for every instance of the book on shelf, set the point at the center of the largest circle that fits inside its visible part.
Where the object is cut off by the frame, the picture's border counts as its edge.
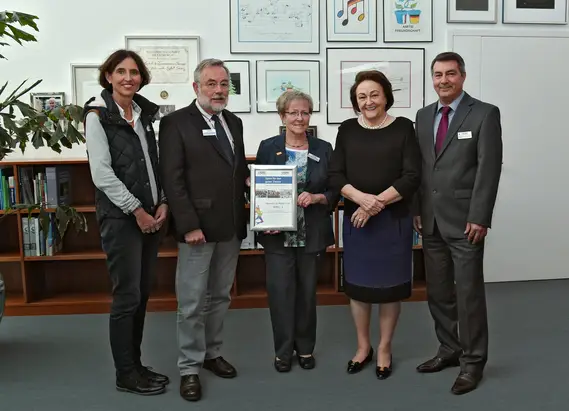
(7, 188)
(36, 243)
(51, 186)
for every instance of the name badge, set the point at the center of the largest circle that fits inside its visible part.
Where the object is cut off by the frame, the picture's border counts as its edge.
(209, 132)
(464, 134)
(313, 157)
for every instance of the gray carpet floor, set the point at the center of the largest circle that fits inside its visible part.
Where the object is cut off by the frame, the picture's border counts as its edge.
(63, 363)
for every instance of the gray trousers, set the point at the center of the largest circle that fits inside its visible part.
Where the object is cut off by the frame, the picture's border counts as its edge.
(291, 290)
(204, 276)
(457, 298)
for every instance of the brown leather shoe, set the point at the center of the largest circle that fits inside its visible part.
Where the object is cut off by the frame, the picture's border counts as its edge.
(190, 387)
(220, 367)
(437, 364)
(465, 382)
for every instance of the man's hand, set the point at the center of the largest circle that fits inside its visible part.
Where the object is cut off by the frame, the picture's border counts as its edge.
(271, 232)
(160, 215)
(194, 237)
(360, 218)
(370, 203)
(475, 232)
(145, 221)
(418, 224)
(305, 199)
(248, 182)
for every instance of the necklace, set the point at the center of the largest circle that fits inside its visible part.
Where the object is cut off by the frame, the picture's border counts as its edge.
(366, 125)
(296, 145)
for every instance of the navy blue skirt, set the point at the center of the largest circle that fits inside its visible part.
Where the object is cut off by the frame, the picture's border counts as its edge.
(378, 258)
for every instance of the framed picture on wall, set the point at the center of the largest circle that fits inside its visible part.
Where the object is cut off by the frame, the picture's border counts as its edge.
(240, 86)
(274, 77)
(472, 11)
(351, 20)
(407, 21)
(47, 101)
(311, 131)
(404, 67)
(269, 26)
(84, 85)
(534, 11)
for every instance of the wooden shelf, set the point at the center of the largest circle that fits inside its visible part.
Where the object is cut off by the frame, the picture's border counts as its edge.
(10, 257)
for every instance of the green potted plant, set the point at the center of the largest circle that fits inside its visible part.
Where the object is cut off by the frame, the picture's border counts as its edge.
(21, 124)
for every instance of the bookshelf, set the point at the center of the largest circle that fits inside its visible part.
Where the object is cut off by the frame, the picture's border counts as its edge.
(75, 279)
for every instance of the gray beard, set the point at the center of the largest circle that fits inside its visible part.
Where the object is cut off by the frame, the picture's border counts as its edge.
(204, 102)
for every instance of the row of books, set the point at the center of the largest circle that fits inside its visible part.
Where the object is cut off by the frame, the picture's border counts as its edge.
(50, 187)
(36, 242)
(7, 188)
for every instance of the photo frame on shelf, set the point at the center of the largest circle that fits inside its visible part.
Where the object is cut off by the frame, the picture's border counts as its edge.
(472, 11)
(47, 101)
(274, 77)
(269, 27)
(404, 67)
(311, 131)
(534, 11)
(407, 21)
(240, 88)
(351, 20)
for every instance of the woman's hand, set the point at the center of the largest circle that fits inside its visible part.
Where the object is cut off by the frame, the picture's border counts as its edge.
(370, 203)
(271, 232)
(145, 221)
(360, 218)
(305, 199)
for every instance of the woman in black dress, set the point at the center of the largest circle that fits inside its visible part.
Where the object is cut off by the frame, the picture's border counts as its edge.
(376, 164)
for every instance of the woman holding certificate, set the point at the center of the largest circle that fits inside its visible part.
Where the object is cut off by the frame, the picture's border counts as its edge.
(376, 165)
(292, 257)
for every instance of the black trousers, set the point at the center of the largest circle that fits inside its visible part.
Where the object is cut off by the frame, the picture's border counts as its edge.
(456, 297)
(131, 261)
(291, 290)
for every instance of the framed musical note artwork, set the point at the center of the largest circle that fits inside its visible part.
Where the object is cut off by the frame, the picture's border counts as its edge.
(269, 26)
(407, 21)
(351, 20)
(404, 67)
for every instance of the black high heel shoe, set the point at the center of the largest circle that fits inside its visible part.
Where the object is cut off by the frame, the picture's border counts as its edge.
(356, 366)
(384, 373)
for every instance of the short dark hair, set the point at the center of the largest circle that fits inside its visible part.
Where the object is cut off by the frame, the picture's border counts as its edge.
(114, 60)
(375, 76)
(450, 56)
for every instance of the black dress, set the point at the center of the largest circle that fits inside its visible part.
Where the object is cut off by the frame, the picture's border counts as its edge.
(378, 257)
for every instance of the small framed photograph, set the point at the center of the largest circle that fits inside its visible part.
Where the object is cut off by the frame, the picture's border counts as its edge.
(351, 20)
(240, 91)
(311, 131)
(46, 102)
(407, 21)
(273, 197)
(472, 11)
(534, 11)
(274, 77)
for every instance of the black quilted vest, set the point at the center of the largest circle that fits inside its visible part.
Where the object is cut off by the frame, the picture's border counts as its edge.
(127, 156)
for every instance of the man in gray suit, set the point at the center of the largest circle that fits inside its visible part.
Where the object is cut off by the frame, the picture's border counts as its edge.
(461, 145)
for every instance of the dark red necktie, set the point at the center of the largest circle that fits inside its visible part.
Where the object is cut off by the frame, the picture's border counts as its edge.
(442, 130)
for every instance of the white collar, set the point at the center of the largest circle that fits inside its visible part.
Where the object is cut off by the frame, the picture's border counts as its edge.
(136, 111)
(205, 113)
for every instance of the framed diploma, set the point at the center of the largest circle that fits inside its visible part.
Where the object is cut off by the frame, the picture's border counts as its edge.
(273, 197)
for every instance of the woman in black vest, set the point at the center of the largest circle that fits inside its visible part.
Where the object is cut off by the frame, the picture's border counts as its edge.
(130, 206)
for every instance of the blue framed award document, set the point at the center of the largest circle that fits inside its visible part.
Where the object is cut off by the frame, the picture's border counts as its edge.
(273, 198)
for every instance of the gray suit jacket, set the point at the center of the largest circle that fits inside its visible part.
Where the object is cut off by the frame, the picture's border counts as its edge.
(460, 184)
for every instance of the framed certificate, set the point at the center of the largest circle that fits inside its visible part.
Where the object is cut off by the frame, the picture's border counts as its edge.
(273, 197)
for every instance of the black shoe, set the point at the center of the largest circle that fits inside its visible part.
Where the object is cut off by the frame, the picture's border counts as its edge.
(465, 382)
(190, 387)
(282, 365)
(356, 366)
(384, 373)
(307, 363)
(220, 367)
(147, 373)
(437, 364)
(136, 384)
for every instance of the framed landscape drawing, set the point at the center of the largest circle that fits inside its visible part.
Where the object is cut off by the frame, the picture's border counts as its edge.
(269, 26)
(472, 11)
(404, 67)
(407, 21)
(240, 86)
(274, 77)
(351, 20)
(534, 11)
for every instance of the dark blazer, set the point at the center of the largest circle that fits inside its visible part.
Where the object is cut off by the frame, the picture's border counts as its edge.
(319, 229)
(204, 191)
(460, 184)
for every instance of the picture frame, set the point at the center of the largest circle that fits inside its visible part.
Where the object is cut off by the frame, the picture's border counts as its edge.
(273, 196)
(84, 82)
(404, 67)
(407, 21)
(534, 11)
(472, 11)
(351, 20)
(240, 91)
(311, 131)
(269, 27)
(47, 101)
(274, 77)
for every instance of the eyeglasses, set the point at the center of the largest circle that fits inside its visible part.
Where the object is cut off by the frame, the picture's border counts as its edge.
(294, 114)
(213, 85)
